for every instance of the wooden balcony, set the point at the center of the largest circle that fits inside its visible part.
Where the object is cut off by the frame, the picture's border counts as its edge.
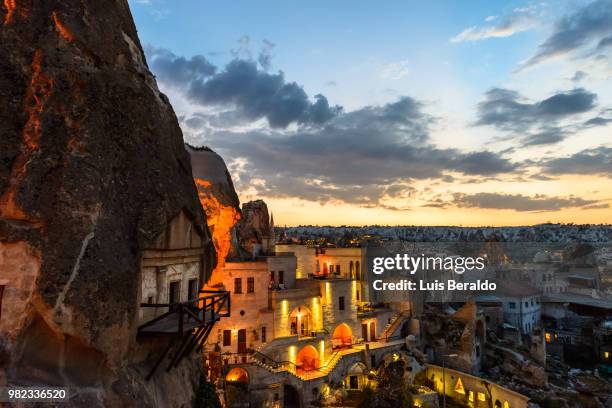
(188, 324)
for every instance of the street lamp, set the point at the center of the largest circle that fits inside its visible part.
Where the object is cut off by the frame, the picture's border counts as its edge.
(444, 376)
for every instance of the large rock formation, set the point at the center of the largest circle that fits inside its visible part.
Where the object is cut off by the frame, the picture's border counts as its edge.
(255, 230)
(92, 170)
(220, 202)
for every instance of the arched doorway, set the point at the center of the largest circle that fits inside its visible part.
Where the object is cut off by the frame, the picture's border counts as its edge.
(237, 374)
(308, 359)
(291, 397)
(301, 321)
(237, 388)
(342, 336)
(356, 377)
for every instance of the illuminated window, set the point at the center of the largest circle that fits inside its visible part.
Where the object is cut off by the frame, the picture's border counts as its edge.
(548, 337)
(606, 355)
(471, 396)
(506, 405)
(459, 387)
(481, 397)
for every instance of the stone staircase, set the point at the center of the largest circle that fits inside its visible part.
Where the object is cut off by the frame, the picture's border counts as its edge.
(331, 364)
(290, 369)
(393, 325)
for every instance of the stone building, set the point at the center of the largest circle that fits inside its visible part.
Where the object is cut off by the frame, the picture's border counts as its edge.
(172, 267)
(291, 336)
(306, 258)
(521, 305)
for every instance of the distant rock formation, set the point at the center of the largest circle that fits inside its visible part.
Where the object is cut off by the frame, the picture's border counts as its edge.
(92, 170)
(219, 200)
(255, 230)
(236, 233)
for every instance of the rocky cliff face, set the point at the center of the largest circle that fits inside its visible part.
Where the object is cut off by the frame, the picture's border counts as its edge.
(220, 202)
(92, 169)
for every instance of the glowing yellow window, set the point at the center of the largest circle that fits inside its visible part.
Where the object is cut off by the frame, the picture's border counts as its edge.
(471, 396)
(459, 387)
(548, 337)
(506, 405)
(606, 355)
(481, 396)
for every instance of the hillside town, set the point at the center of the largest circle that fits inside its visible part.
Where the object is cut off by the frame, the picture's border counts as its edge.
(132, 276)
(307, 328)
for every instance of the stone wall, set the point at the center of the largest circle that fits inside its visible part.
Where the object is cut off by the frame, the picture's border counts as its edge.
(491, 392)
(306, 258)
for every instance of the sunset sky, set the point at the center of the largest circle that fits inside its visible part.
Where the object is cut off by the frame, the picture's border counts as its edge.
(415, 113)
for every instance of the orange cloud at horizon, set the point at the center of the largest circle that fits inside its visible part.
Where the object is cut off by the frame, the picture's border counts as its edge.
(415, 210)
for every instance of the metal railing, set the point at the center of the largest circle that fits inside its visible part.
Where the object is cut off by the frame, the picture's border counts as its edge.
(188, 322)
(291, 366)
(202, 310)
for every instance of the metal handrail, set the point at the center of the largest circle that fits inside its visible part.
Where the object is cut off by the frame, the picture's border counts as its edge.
(191, 308)
(276, 364)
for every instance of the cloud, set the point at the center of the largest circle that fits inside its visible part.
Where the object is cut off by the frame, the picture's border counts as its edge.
(588, 162)
(519, 202)
(175, 70)
(521, 20)
(544, 137)
(265, 55)
(509, 111)
(579, 76)
(588, 25)
(241, 86)
(395, 70)
(352, 158)
(604, 44)
(258, 94)
(597, 121)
